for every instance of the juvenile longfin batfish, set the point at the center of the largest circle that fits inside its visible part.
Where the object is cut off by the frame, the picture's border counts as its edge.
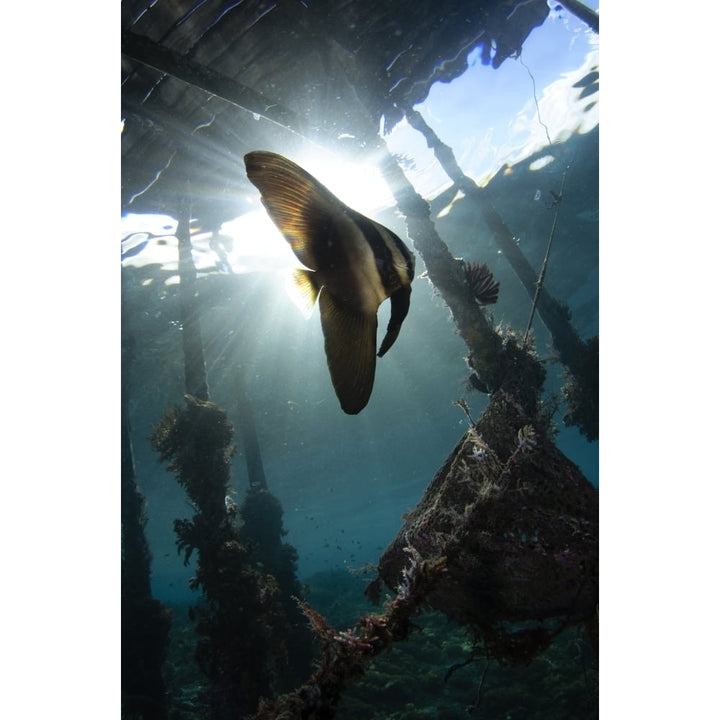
(353, 264)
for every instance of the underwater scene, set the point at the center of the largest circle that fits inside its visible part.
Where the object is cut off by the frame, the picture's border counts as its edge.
(359, 336)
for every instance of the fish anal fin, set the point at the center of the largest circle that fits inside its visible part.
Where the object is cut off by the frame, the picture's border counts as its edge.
(350, 342)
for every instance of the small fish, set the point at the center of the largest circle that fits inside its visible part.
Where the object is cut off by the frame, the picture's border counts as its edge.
(352, 262)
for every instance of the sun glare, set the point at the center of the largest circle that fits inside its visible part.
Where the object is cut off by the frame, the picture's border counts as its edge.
(361, 186)
(257, 244)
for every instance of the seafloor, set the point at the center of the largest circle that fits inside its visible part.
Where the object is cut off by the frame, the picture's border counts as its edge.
(424, 677)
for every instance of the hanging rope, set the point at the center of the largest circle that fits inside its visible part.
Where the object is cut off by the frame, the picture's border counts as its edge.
(541, 277)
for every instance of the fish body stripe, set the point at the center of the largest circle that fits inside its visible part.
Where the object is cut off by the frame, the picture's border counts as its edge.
(382, 250)
(408, 257)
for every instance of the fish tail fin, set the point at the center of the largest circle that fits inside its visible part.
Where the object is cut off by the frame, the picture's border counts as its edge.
(350, 341)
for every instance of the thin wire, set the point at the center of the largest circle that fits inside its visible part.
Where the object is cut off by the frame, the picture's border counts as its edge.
(541, 277)
(558, 200)
(537, 105)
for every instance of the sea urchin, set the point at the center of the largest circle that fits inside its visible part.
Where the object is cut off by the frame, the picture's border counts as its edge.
(483, 285)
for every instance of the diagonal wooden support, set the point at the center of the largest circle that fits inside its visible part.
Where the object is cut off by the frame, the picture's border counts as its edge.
(168, 61)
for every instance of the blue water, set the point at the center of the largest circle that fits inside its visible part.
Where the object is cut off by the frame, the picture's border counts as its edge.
(344, 482)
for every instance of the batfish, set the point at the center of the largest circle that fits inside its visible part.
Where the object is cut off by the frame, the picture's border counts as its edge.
(351, 263)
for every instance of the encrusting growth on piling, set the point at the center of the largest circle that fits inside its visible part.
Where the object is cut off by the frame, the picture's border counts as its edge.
(243, 624)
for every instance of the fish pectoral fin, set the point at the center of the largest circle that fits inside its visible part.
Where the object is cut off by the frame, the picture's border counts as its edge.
(303, 290)
(350, 342)
(400, 304)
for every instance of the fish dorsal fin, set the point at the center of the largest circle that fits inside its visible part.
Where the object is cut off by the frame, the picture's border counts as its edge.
(300, 206)
(350, 341)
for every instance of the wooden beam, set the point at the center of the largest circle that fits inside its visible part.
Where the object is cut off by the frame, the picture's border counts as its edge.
(165, 60)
